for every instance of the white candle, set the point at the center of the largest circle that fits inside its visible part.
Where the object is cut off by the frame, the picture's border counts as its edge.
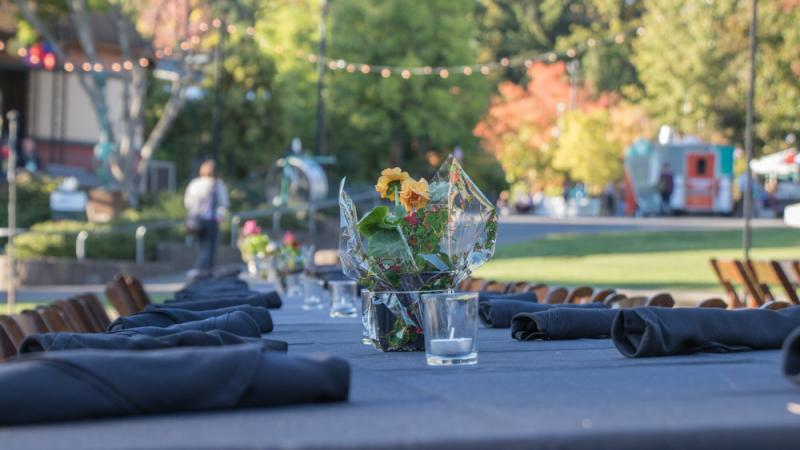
(450, 347)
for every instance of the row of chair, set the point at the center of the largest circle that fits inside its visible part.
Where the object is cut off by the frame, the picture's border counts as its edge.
(586, 294)
(756, 283)
(80, 314)
(127, 295)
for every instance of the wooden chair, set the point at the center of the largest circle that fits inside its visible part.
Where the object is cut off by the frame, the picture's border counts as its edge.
(97, 310)
(71, 316)
(120, 298)
(663, 300)
(732, 273)
(540, 289)
(619, 301)
(517, 287)
(495, 286)
(775, 305)
(137, 292)
(581, 294)
(86, 315)
(556, 296)
(766, 273)
(713, 303)
(7, 348)
(31, 322)
(601, 295)
(12, 330)
(55, 320)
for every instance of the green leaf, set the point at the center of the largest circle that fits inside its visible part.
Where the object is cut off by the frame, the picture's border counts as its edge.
(385, 244)
(374, 221)
(435, 261)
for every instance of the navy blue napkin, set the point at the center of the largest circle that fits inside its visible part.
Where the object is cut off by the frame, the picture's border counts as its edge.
(236, 322)
(564, 323)
(497, 313)
(271, 300)
(521, 296)
(667, 331)
(84, 384)
(165, 316)
(791, 357)
(46, 342)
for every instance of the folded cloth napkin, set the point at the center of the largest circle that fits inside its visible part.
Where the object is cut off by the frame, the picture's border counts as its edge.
(84, 384)
(564, 323)
(164, 317)
(791, 356)
(46, 342)
(271, 300)
(666, 331)
(498, 313)
(205, 289)
(522, 296)
(236, 322)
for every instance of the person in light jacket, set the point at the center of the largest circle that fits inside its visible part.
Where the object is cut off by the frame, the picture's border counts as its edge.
(206, 201)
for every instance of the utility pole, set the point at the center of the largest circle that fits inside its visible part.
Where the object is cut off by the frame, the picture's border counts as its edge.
(11, 175)
(747, 198)
(323, 43)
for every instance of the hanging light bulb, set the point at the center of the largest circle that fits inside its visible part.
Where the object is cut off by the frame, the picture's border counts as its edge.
(485, 70)
(231, 28)
(468, 71)
(216, 23)
(385, 72)
(640, 31)
(571, 52)
(86, 67)
(144, 62)
(619, 39)
(406, 74)
(116, 67)
(552, 57)
(2, 46)
(364, 68)
(332, 65)
(505, 62)
(127, 65)
(444, 73)
(591, 42)
(185, 46)
(351, 68)
(427, 70)
(22, 52)
(68, 67)
(203, 26)
(97, 67)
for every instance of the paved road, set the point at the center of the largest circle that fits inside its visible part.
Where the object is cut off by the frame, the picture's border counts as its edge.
(518, 228)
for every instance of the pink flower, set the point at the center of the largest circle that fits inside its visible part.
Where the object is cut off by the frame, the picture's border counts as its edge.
(290, 240)
(251, 228)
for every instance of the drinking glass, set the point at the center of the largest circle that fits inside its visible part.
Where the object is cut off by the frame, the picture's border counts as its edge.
(343, 298)
(367, 334)
(294, 285)
(313, 291)
(450, 325)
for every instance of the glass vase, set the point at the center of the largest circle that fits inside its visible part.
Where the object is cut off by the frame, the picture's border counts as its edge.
(396, 320)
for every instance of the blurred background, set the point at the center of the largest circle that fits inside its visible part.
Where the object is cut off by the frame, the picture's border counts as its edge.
(556, 108)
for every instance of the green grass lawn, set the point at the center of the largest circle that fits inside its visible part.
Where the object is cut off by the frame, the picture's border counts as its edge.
(645, 260)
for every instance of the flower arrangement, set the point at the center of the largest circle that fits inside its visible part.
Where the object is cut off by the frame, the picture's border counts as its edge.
(431, 236)
(253, 241)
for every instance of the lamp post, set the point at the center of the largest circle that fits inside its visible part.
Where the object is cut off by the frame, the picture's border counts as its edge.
(216, 118)
(11, 175)
(747, 198)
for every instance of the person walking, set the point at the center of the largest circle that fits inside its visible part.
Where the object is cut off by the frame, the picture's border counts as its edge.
(206, 201)
(666, 185)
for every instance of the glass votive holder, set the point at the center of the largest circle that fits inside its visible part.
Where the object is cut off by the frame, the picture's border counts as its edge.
(343, 298)
(294, 285)
(313, 293)
(366, 318)
(450, 325)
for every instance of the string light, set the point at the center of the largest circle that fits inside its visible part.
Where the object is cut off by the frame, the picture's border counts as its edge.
(332, 63)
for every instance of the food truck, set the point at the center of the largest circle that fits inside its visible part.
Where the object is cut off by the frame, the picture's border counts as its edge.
(702, 177)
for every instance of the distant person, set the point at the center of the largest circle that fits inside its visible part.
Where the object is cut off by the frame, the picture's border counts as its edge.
(610, 199)
(206, 201)
(666, 185)
(29, 160)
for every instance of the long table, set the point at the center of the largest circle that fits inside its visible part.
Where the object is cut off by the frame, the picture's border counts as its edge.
(553, 394)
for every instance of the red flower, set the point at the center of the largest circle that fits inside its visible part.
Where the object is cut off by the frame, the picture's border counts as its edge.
(412, 218)
(290, 240)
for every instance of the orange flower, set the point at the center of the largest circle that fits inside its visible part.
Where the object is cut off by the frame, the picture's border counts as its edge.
(390, 182)
(414, 194)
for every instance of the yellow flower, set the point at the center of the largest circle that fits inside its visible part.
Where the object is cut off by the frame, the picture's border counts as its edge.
(391, 178)
(414, 194)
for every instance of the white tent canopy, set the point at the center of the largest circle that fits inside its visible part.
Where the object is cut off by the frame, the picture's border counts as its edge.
(780, 163)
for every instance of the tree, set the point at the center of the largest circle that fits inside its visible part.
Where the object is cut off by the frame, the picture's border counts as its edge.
(380, 121)
(587, 151)
(129, 151)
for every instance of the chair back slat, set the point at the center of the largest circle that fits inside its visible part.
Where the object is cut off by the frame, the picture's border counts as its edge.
(71, 315)
(55, 320)
(137, 292)
(581, 294)
(120, 299)
(96, 308)
(663, 300)
(732, 273)
(495, 286)
(31, 322)
(766, 273)
(556, 296)
(601, 295)
(12, 330)
(713, 303)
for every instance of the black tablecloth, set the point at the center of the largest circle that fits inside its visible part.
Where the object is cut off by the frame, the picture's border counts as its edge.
(271, 300)
(542, 394)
